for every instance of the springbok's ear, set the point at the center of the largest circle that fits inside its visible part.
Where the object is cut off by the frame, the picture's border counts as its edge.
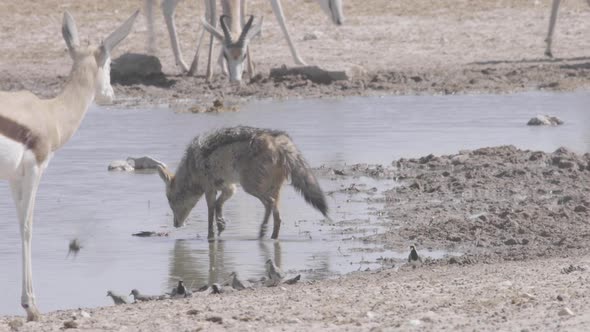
(118, 35)
(70, 33)
(211, 29)
(165, 174)
(102, 54)
(256, 30)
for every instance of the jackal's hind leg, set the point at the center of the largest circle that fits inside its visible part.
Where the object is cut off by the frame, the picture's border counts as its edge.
(276, 215)
(268, 207)
(226, 193)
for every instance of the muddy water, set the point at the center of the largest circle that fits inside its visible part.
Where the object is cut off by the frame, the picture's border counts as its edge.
(78, 198)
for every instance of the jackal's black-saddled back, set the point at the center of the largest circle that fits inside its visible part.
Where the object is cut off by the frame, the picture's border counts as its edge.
(230, 135)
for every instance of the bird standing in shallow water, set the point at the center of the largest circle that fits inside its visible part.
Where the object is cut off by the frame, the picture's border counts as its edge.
(180, 289)
(413, 257)
(273, 273)
(118, 299)
(216, 289)
(236, 283)
(74, 247)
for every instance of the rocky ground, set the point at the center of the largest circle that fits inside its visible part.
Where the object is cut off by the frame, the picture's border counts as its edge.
(386, 47)
(492, 204)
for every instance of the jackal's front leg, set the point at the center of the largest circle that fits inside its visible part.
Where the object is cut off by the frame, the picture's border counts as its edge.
(226, 193)
(210, 197)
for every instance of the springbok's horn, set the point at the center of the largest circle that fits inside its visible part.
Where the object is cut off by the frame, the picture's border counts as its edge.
(247, 28)
(225, 29)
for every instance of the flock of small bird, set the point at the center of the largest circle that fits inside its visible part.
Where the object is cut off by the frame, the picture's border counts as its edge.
(272, 278)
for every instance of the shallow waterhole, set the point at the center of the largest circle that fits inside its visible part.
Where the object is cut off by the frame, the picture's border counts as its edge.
(78, 198)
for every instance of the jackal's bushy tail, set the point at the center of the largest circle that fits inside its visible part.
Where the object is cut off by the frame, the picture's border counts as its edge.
(301, 176)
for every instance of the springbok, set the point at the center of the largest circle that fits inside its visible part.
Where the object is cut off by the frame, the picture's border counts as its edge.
(32, 129)
(333, 8)
(552, 20)
(234, 39)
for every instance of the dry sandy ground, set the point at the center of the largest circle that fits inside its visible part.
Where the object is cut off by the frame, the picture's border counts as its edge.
(391, 47)
(497, 206)
(514, 296)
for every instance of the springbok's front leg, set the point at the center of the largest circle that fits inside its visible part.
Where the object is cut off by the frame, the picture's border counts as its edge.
(149, 15)
(552, 21)
(24, 191)
(250, 64)
(212, 16)
(168, 9)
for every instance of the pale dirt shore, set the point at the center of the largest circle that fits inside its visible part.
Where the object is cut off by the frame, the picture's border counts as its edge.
(390, 47)
(508, 296)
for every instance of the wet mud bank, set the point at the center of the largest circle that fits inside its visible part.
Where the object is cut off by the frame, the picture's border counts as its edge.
(492, 204)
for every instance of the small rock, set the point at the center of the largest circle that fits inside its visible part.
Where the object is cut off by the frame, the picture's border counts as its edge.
(84, 314)
(565, 164)
(565, 312)
(459, 159)
(70, 324)
(215, 319)
(312, 73)
(559, 298)
(510, 242)
(145, 162)
(16, 324)
(193, 312)
(544, 120)
(416, 185)
(371, 315)
(338, 172)
(120, 165)
(580, 208)
(311, 36)
(454, 238)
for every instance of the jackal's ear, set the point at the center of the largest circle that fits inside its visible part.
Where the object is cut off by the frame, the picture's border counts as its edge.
(165, 174)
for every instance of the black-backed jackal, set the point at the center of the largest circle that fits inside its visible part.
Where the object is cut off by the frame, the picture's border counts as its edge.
(258, 159)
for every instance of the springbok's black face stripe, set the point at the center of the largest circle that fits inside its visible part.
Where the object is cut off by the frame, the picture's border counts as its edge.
(19, 133)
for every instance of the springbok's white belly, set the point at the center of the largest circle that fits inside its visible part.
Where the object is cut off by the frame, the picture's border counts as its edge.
(11, 157)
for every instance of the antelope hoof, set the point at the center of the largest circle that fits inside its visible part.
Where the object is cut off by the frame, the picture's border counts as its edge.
(211, 236)
(274, 236)
(548, 54)
(32, 312)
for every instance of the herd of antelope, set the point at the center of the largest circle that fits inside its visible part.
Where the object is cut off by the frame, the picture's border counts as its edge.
(32, 129)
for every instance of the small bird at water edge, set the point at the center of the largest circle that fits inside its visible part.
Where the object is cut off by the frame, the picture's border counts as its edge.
(413, 257)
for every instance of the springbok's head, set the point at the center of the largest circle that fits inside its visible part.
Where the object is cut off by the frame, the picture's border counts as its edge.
(234, 50)
(96, 60)
(181, 197)
(333, 8)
